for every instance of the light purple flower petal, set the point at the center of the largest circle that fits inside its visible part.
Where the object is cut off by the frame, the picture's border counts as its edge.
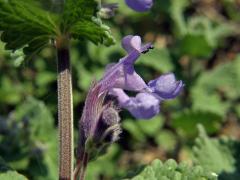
(130, 43)
(122, 75)
(166, 86)
(121, 96)
(143, 106)
(139, 5)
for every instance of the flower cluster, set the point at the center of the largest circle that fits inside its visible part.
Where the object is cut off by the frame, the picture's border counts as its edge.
(122, 76)
(100, 119)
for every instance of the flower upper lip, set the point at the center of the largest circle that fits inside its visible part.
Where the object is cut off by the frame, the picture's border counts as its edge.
(122, 74)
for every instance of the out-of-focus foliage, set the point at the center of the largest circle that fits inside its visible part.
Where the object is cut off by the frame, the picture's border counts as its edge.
(28, 140)
(197, 40)
(8, 173)
(218, 155)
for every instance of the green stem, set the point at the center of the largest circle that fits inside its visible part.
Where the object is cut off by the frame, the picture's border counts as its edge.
(81, 166)
(65, 110)
(84, 166)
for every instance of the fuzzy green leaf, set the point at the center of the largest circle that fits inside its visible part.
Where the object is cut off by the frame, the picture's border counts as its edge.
(186, 122)
(24, 25)
(10, 175)
(92, 30)
(80, 19)
(74, 10)
(221, 156)
(170, 170)
(224, 80)
(7, 173)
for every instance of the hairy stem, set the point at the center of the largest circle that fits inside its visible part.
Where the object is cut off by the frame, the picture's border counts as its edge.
(65, 110)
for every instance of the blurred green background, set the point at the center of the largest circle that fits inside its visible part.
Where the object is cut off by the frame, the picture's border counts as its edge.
(198, 40)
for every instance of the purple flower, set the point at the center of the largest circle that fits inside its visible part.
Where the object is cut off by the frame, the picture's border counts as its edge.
(100, 122)
(166, 86)
(122, 76)
(139, 5)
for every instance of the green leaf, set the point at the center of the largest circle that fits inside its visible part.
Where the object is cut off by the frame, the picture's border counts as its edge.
(25, 25)
(170, 170)
(74, 10)
(186, 122)
(81, 21)
(206, 101)
(10, 175)
(92, 30)
(195, 45)
(221, 156)
(223, 80)
(6, 173)
(203, 36)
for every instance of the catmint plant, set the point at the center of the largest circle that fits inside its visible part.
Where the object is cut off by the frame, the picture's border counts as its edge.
(31, 25)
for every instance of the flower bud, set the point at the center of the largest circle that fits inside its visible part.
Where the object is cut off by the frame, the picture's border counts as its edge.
(108, 10)
(110, 116)
(139, 5)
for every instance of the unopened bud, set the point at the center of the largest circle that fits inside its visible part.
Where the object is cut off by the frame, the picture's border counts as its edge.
(110, 116)
(108, 10)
